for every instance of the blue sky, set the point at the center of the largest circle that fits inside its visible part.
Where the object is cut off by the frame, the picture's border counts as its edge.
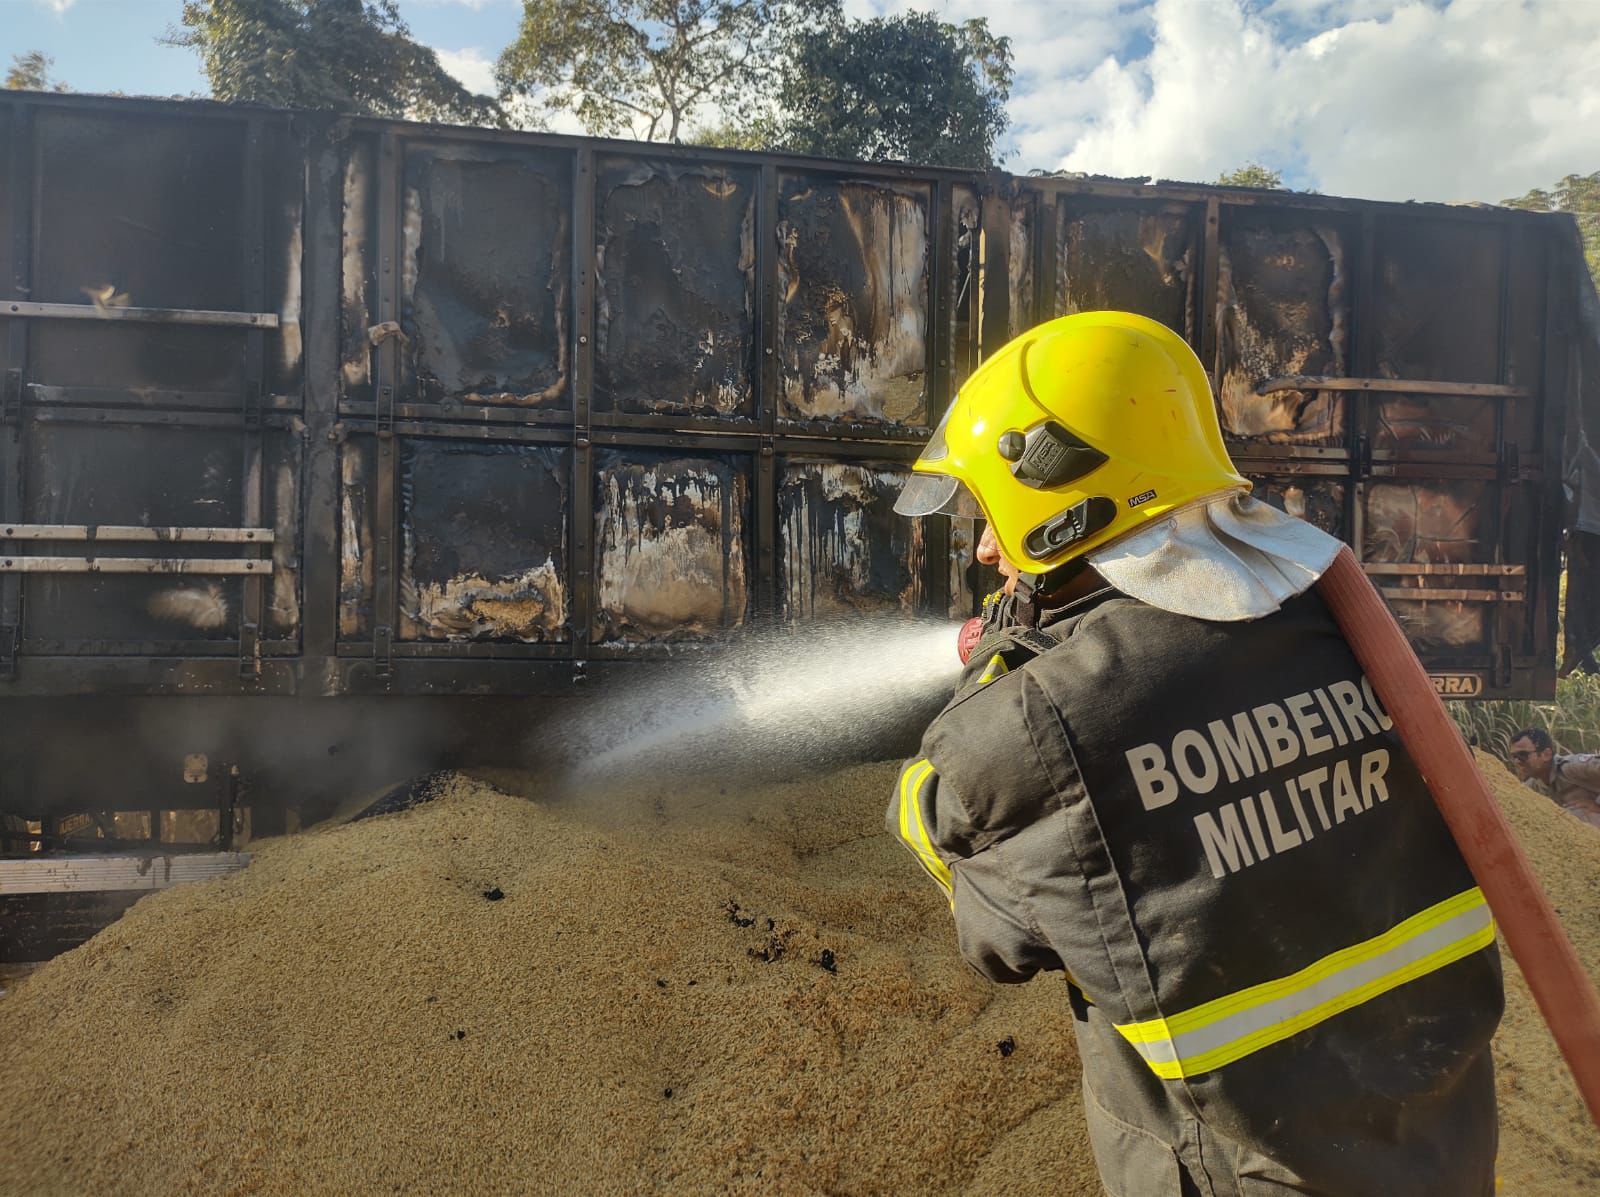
(1387, 99)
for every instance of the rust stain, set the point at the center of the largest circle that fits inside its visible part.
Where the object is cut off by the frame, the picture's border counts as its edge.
(529, 607)
(671, 551)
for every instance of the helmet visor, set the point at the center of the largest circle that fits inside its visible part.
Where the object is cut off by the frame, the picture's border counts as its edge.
(929, 494)
(941, 494)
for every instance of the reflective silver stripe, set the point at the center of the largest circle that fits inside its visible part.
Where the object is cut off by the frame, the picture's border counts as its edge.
(1229, 1028)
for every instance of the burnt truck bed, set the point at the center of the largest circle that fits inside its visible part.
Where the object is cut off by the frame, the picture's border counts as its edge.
(303, 406)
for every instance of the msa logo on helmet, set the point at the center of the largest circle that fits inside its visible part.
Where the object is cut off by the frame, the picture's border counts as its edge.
(1144, 498)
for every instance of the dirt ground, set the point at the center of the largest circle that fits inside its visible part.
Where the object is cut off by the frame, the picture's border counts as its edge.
(702, 992)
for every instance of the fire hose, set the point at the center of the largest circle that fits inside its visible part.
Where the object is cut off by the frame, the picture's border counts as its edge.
(1565, 995)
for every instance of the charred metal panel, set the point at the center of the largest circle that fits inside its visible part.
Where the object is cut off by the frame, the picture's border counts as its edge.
(1437, 522)
(841, 547)
(1283, 308)
(1127, 257)
(358, 471)
(144, 213)
(1019, 266)
(1439, 300)
(1412, 424)
(483, 530)
(675, 266)
(486, 274)
(966, 221)
(1526, 340)
(358, 279)
(853, 300)
(829, 267)
(283, 246)
(1316, 499)
(281, 486)
(672, 555)
(7, 262)
(969, 580)
(161, 475)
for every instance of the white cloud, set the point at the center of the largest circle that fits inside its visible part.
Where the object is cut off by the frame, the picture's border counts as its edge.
(56, 6)
(1386, 99)
(1474, 99)
(472, 67)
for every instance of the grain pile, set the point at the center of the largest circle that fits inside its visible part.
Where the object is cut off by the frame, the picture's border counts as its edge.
(682, 993)
(1547, 1143)
(715, 993)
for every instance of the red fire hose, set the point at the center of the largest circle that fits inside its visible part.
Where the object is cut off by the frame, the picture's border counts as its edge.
(1566, 996)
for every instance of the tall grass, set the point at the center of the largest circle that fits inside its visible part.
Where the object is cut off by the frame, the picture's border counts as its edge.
(1573, 719)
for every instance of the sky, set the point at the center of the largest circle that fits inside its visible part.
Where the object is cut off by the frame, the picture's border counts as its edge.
(1382, 99)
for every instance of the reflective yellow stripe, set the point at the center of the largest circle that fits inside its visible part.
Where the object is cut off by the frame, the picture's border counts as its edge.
(1229, 1028)
(996, 668)
(912, 828)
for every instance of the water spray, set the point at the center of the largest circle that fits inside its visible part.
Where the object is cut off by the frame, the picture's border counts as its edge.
(772, 703)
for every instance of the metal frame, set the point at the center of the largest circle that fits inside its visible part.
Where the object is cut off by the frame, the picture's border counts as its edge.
(21, 170)
(84, 311)
(321, 663)
(109, 874)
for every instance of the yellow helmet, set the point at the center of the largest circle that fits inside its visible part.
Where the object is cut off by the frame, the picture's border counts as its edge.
(1076, 433)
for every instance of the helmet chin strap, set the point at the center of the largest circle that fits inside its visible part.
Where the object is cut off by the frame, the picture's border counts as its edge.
(1033, 589)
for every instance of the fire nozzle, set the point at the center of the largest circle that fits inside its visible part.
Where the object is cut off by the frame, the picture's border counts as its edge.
(967, 638)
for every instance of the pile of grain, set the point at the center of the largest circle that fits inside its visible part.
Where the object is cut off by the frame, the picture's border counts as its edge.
(690, 993)
(1548, 1145)
(713, 994)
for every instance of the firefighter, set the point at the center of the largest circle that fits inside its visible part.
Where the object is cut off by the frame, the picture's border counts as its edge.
(1165, 775)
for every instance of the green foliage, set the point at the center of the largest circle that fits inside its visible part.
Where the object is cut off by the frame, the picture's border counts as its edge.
(625, 66)
(1573, 719)
(909, 87)
(349, 56)
(1253, 174)
(757, 133)
(31, 72)
(1580, 195)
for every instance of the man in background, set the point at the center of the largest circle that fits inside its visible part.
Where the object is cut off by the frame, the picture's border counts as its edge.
(1572, 782)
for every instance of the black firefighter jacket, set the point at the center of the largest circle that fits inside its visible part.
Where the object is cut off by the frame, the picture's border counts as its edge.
(1283, 976)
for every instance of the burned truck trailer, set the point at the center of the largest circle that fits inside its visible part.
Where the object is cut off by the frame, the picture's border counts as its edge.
(314, 428)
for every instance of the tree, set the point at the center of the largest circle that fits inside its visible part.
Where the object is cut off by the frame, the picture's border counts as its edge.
(1580, 195)
(909, 87)
(647, 66)
(350, 56)
(31, 72)
(1253, 174)
(759, 132)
